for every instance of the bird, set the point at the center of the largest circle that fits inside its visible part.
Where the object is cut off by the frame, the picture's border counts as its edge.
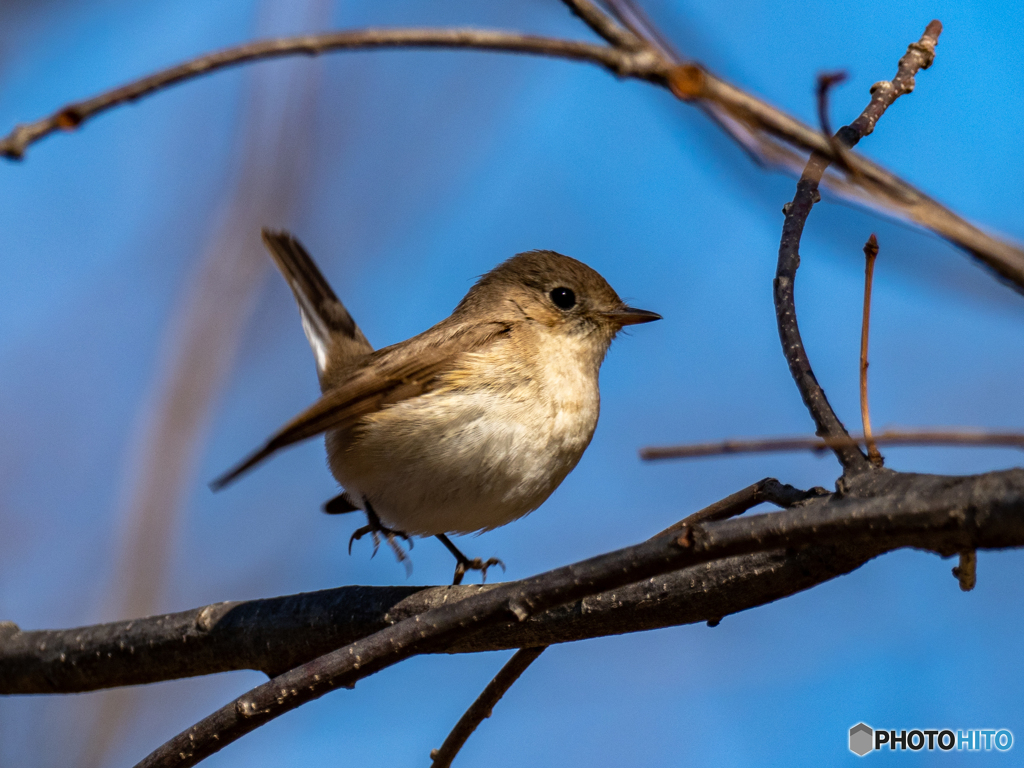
(469, 425)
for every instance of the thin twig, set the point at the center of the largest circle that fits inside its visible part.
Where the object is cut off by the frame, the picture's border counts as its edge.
(633, 17)
(769, 135)
(827, 425)
(769, 489)
(605, 26)
(617, 60)
(481, 708)
(826, 81)
(919, 55)
(879, 513)
(870, 252)
(966, 438)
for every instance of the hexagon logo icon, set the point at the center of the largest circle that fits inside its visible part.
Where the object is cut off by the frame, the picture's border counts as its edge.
(861, 739)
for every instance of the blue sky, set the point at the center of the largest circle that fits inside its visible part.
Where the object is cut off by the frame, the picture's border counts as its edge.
(424, 170)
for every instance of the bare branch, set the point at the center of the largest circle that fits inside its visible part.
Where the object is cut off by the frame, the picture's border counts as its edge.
(480, 710)
(770, 136)
(73, 115)
(976, 439)
(827, 424)
(280, 633)
(769, 489)
(633, 17)
(605, 26)
(826, 82)
(276, 634)
(879, 511)
(919, 55)
(870, 253)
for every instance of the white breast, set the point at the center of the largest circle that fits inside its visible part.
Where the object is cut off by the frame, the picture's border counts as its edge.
(473, 458)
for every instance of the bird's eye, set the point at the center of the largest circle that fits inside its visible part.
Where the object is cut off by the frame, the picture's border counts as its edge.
(564, 298)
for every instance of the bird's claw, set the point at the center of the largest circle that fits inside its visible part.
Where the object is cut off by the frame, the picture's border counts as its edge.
(375, 528)
(476, 564)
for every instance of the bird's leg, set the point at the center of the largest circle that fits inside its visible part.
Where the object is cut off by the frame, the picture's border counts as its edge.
(375, 527)
(464, 564)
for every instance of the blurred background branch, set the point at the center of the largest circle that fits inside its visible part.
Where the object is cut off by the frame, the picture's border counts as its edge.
(767, 133)
(201, 344)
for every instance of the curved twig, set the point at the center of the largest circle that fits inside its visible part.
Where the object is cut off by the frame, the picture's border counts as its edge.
(826, 82)
(768, 134)
(619, 61)
(827, 425)
(480, 709)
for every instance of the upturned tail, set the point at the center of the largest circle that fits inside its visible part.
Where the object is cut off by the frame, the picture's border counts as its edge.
(332, 333)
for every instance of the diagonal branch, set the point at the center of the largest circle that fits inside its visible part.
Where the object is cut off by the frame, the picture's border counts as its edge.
(827, 425)
(605, 26)
(480, 710)
(881, 511)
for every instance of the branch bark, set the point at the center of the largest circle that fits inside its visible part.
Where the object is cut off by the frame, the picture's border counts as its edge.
(880, 510)
(827, 425)
(827, 537)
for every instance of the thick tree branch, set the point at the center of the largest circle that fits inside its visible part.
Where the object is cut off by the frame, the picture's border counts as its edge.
(880, 510)
(277, 634)
(826, 537)
(827, 425)
(951, 437)
(480, 710)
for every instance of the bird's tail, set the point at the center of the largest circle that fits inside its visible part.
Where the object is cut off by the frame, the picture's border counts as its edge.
(330, 329)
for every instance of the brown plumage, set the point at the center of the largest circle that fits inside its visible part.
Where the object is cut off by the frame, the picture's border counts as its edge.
(473, 422)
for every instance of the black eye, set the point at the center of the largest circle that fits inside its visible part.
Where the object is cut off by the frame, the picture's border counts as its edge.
(564, 298)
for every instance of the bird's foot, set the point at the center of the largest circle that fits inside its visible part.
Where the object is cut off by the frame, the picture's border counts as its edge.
(463, 563)
(476, 564)
(376, 529)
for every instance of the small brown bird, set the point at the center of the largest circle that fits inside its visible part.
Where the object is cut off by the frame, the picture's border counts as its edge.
(469, 425)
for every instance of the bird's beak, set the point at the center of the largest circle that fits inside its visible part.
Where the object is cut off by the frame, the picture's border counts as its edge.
(631, 316)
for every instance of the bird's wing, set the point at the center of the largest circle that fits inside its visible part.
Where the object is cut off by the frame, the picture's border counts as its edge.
(388, 376)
